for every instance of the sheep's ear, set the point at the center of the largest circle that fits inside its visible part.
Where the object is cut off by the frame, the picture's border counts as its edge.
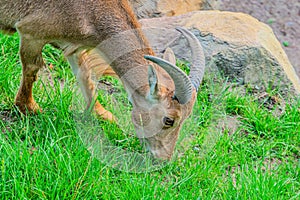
(170, 56)
(152, 78)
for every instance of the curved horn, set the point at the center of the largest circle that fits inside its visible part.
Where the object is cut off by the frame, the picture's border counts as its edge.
(183, 85)
(198, 58)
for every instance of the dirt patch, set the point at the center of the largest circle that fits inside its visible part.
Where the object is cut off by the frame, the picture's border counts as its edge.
(281, 15)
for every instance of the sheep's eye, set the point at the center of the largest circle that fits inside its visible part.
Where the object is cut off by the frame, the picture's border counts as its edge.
(168, 122)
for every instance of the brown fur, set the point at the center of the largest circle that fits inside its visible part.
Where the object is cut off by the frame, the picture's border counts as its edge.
(91, 33)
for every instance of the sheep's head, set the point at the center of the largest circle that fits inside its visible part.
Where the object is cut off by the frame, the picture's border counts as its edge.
(158, 118)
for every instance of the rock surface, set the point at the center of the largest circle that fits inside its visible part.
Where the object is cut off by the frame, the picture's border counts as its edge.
(159, 8)
(242, 48)
(282, 17)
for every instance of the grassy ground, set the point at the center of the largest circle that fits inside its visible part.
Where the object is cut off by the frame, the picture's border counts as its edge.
(236, 145)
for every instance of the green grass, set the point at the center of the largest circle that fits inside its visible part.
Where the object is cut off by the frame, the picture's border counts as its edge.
(44, 157)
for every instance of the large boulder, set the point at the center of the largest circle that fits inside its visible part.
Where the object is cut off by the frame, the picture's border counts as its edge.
(238, 45)
(159, 8)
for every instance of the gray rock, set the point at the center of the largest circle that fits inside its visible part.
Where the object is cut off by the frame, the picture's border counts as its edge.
(243, 49)
(159, 8)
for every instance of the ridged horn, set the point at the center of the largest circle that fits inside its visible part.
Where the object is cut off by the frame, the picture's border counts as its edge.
(198, 58)
(183, 85)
